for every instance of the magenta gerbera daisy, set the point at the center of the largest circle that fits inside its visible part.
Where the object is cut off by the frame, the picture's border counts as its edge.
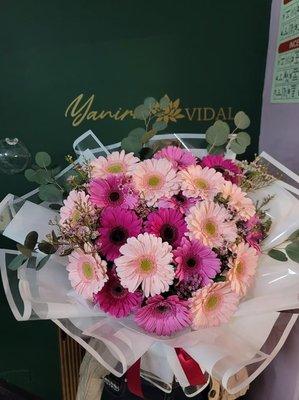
(168, 224)
(229, 169)
(163, 316)
(178, 201)
(179, 158)
(116, 226)
(113, 191)
(117, 300)
(193, 258)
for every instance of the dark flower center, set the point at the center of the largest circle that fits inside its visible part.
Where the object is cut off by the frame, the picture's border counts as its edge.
(114, 196)
(118, 291)
(219, 169)
(168, 233)
(162, 308)
(118, 235)
(191, 262)
(180, 198)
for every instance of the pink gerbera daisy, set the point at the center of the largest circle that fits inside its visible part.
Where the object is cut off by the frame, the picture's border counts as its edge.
(145, 261)
(87, 271)
(200, 182)
(229, 169)
(113, 191)
(168, 224)
(163, 316)
(155, 179)
(212, 305)
(115, 163)
(179, 158)
(242, 268)
(116, 226)
(116, 300)
(178, 202)
(209, 223)
(238, 201)
(193, 258)
(76, 209)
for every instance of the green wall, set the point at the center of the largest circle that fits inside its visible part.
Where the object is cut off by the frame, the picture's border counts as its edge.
(207, 53)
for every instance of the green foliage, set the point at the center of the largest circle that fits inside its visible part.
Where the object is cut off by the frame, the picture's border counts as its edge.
(17, 262)
(50, 193)
(294, 235)
(215, 149)
(164, 102)
(277, 255)
(217, 134)
(292, 250)
(241, 120)
(31, 240)
(43, 159)
(47, 248)
(42, 262)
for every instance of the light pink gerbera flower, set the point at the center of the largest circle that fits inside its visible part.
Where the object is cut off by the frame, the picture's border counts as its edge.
(179, 158)
(116, 226)
(212, 305)
(113, 191)
(87, 271)
(242, 268)
(145, 261)
(168, 224)
(115, 163)
(116, 300)
(75, 208)
(200, 182)
(238, 201)
(229, 169)
(155, 179)
(193, 258)
(209, 223)
(163, 316)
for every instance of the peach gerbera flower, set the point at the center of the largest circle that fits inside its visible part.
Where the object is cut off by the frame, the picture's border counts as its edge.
(237, 200)
(115, 163)
(155, 179)
(200, 182)
(145, 261)
(212, 305)
(209, 223)
(87, 271)
(242, 268)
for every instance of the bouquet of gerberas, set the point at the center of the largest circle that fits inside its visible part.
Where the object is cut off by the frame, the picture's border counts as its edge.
(173, 239)
(177, 262)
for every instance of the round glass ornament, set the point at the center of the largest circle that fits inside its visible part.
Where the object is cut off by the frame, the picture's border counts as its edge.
(14, 156)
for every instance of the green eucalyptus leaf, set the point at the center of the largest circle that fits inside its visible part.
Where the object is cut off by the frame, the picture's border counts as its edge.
(50, 193)
(217, 134)
(164, 102)
(237, 147)
(43, 176)
(141, 112)
(215, 149)
(277, 255)
(159, 125)
(47, 248)
(137, 133)
(241, 120)
(130, 144)
(42, 262)
(30, 175)
(54, 171)
(148, 135)
(31, 240)
(149, 102)
(292, 250)
(243, 139)
(25, 252)
(294, 235)
(42, 159)
(17, 262)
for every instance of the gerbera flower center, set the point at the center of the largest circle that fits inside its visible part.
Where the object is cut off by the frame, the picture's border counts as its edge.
(115, 168)
(118, 291)
(162, 308)
(212, 302)
(118, 235)
(146, 265)
(154, 181)
(191, 262)
(201, 183)
(114, 196)
(210, 227)
(168, 233)
(180, 198)
(87, 270)
(239, 267)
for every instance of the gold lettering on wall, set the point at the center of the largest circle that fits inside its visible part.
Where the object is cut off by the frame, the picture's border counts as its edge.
(82, 109)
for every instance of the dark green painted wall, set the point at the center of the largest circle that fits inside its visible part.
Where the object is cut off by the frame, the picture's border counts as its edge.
(207, 53)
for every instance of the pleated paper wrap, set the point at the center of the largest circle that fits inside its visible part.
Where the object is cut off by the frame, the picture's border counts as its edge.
(255, 334)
